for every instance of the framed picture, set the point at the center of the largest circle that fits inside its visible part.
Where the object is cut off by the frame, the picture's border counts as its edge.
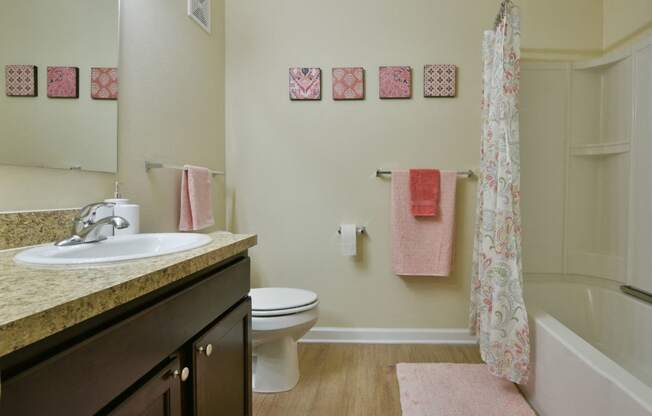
(63, 82)
(395, 81)
(305, 84)
(348, 83)
(440, 80)
(21, 80)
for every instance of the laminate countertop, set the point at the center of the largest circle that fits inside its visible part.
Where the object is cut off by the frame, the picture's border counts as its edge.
(36, 302)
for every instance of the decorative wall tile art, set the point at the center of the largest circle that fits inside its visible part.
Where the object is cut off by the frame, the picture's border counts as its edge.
(104, 83)
(63, 82)
(305, 84)
(348, 83)
(439, 80)
(20, 81)
(395, 82)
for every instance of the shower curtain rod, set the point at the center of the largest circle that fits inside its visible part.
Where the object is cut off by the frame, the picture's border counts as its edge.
(501, 12)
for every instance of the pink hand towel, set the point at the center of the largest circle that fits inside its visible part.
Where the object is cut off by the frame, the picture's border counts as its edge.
(424, 192)
(196, 199)
(422, 246)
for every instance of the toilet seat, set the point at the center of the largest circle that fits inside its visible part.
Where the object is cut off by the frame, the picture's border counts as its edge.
(284, 312)
(276, 301)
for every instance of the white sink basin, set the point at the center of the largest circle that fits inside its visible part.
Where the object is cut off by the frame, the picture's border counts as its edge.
(121, 248)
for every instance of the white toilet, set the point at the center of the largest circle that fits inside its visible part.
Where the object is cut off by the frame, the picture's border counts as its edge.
(280, 317)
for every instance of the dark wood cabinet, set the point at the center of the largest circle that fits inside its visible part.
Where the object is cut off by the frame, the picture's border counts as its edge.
(128, 361)
(222, 366)
(158, 396)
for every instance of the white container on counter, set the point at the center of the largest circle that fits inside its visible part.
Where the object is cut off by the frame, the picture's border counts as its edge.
(121, 208)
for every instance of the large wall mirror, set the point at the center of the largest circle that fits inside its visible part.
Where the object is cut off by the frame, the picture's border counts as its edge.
(59, 61)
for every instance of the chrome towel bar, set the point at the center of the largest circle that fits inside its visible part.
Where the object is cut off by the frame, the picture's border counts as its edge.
(463, 173)
(158, 165)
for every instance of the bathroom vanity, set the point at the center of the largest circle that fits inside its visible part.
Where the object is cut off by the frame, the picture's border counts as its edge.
(168, 335)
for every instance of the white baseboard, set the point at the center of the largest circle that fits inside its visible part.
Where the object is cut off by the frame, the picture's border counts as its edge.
(388, 336)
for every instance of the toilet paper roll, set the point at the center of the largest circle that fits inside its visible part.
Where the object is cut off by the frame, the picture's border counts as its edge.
(348, 243)
(131, 213)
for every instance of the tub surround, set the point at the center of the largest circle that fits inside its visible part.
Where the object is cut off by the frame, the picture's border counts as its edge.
(39, 302)
(590, 348)
(28, 228)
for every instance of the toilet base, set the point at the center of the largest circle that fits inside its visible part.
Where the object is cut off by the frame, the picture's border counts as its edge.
(275, 365)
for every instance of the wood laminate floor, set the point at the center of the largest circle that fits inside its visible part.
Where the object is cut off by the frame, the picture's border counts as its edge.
(354, 379)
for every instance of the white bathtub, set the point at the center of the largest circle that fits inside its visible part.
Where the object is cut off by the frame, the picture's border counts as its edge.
(592, 349)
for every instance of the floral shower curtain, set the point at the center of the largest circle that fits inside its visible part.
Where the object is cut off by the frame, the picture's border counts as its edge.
(498, 314)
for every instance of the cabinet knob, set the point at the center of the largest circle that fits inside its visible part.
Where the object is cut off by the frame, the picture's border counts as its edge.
(183, 374)
(206, 350)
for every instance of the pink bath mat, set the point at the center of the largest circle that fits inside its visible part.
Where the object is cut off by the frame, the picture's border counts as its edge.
(457, 390)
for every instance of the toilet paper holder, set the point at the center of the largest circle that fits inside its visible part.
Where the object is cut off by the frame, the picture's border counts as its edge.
(360, 229)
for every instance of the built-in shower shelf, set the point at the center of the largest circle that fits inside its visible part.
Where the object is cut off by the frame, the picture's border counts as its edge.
(596, 264)
(603, 61)
(601, 149)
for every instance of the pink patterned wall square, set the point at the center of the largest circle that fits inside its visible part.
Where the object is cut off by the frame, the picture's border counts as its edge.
(395, 82)
(20, 81)
(439, 80)
(348, 83)
(305, 84)
(63, 82)
(104, 83)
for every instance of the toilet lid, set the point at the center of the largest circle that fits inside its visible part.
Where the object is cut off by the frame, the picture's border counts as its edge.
(279, 298)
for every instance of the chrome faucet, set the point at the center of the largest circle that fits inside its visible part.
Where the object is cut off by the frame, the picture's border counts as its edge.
(85, 229)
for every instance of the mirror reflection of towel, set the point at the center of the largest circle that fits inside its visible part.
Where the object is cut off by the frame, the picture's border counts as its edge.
(196, 199)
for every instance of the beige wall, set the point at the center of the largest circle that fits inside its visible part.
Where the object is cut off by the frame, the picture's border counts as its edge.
(299, 169)
(171, 104)
(623, 18)
(558, 25)
(171, 109)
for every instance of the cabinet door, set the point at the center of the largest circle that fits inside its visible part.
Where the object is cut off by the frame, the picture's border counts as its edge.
(159, 396)
(222, 366)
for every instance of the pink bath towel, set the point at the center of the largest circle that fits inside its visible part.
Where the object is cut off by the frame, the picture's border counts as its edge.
(424, 192)
(196, 199)
(422, 246)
